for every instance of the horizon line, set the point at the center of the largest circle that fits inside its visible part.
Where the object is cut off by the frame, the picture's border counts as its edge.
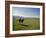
(30, 16)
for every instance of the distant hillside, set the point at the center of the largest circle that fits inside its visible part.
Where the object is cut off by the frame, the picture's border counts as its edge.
(18, 17)
(23, 17)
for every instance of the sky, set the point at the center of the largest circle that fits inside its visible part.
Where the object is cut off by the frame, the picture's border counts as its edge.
(26, 12)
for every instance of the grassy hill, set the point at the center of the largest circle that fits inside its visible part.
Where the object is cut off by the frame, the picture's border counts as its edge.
(28, 24)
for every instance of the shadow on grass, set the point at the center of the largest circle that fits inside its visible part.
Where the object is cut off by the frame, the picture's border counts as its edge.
(24, 25)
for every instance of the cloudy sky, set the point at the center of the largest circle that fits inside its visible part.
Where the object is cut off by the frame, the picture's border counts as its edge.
(26, 12)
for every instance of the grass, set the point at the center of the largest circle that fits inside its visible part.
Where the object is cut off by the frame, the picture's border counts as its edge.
(28, 24)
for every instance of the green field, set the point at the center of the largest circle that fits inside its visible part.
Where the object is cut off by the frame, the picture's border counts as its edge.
(28, 24)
